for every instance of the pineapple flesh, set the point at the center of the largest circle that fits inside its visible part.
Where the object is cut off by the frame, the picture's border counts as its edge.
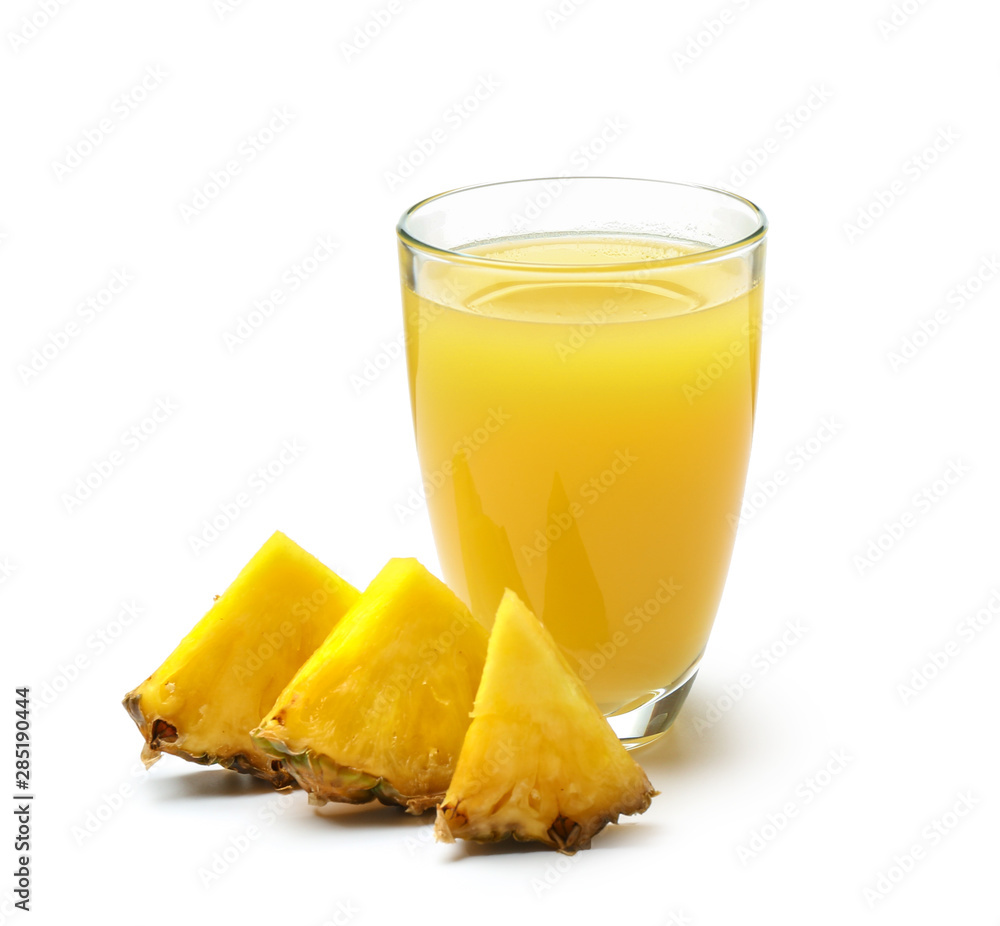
(539, 761)
(380, 709)
(202, 703)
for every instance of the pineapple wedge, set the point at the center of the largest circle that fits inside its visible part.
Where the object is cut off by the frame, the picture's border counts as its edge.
(226, 673)
(539, 762)
(380, 709)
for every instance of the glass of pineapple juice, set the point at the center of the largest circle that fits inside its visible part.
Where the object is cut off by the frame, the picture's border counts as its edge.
(583, 357)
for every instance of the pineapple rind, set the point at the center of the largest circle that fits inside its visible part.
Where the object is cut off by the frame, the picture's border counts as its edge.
(155, 746)
(326, 780)
(562, 833)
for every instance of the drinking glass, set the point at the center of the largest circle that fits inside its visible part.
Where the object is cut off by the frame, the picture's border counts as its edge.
(583, 356)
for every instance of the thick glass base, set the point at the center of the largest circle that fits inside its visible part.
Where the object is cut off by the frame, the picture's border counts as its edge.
(645, 719)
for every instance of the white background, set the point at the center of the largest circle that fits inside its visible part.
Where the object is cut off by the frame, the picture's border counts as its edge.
(813, 111)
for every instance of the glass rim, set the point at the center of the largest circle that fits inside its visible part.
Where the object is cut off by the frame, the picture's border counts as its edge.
(457, 255)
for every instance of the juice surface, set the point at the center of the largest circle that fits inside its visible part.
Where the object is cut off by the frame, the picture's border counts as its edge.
(584, 435)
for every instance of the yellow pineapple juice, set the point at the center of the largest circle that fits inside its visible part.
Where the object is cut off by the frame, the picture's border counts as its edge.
(583, 410)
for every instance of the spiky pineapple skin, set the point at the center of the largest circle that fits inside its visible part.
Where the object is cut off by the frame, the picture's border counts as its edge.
(160, 736)
(562, 833)
(327, 781)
